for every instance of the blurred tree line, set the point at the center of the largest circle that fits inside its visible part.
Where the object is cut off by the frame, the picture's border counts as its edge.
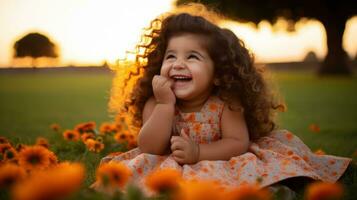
(332, 14)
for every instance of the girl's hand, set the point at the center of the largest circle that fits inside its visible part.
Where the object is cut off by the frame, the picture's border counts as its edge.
(162, 90)
(184, 149)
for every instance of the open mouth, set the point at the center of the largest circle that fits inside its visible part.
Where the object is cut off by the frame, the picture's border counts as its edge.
(179, 78)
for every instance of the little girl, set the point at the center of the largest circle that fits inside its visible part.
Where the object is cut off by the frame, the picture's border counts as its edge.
(205, 110)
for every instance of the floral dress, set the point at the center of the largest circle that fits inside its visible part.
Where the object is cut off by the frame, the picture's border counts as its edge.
(273, 158)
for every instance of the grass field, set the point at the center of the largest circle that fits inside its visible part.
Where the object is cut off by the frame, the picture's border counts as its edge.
(30, 102)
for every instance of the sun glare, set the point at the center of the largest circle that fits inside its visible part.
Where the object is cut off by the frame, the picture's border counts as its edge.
(90, 32)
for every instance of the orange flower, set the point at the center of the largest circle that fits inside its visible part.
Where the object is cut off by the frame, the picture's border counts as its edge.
(94, 145)
(107, 128)
(319, 152)
(87, 127)
(42, 142)
(53, 158)
(199, 190)
(249, 192)
(10, 174)
(55, 127)
(314, 128)
(19, 147)
(324, 191)
(86, 136)
(71, 135)
(34, 157)
(163, 180)
(3, 140)
(132, 144)
(4, 147)
(10, 155)
(113, 174)
(121, 137)
(55, 183)
(132, 141)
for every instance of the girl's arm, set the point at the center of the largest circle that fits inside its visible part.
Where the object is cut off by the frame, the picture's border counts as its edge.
(158, 116)
(235, 138)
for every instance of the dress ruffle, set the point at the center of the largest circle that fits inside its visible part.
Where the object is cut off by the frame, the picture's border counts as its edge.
(273, 158)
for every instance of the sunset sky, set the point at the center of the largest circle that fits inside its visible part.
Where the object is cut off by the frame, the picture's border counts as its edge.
(91, 31)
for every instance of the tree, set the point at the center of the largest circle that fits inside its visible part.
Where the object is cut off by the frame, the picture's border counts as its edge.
(35, 45)
(332, 14)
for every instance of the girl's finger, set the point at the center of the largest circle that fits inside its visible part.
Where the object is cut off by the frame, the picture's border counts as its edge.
(178, 153)
(176, 146)
(175, 139)
(179, 160)
(184, 135)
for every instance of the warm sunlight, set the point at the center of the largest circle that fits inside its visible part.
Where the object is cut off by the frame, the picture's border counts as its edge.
(87, 32)
(273, 44)
(90, 32)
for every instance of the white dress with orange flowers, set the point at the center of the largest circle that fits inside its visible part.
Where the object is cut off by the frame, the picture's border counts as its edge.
(273, 158)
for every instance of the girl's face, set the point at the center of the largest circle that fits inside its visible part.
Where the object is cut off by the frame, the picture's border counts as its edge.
(188, 64)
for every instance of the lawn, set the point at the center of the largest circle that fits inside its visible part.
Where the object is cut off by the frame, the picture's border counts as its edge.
(31, 102)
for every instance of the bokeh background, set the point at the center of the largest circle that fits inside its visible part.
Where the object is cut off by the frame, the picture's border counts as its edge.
(55, 59)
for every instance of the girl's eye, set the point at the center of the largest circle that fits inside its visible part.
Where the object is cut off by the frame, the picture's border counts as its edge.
(193, 57)
(170, 56)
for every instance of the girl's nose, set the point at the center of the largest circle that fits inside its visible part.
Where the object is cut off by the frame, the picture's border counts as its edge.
(178, 64)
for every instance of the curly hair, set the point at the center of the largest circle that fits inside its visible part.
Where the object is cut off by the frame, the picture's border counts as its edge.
(237, 79)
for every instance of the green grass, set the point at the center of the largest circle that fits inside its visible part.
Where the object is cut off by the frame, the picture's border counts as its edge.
(30, 102)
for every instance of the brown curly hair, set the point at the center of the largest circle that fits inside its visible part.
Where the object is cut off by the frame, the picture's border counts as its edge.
(237, 78)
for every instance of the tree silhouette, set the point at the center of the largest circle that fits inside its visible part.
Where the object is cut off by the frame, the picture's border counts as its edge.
(35, 45)
(332, 14)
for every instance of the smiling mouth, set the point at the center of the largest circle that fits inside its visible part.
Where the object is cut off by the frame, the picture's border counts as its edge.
(180, 77)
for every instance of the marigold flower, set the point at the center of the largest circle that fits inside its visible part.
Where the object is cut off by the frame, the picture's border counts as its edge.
(107, 128)
(121, 137)
(324, 191)
(86, 136)
(54, 183)
(71, 135)
(34, 157)
(42, 142)
(252, 192)
(119, 119)
(163, 180)
(132, 144)
(87, 127)
(19, 147)
(53, 158)
(199, 190)
(320, 152)
(113, 174)
(9, 174)
(55, 127)
(10, 155)
(94, 145)
(314, 128)
(4, 147)
(3, 140)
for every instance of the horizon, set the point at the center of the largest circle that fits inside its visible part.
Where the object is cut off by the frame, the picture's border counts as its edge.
(88, 33)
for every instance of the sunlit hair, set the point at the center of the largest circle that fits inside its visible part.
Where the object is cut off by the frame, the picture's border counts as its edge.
(237, 80)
